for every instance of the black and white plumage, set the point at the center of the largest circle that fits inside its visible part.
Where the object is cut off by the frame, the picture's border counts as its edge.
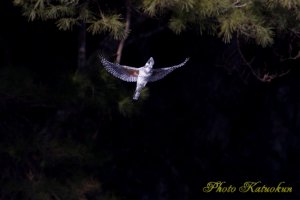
(141, 75)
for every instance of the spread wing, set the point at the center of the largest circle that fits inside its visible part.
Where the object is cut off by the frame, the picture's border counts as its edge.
(122, 72)
(162, 72)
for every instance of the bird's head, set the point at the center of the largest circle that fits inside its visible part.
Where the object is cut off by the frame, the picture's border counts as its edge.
(150, 63)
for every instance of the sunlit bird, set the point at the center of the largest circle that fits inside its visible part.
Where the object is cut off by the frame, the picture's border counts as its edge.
(141, 75)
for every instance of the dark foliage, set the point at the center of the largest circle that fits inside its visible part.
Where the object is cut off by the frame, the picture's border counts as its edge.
(70, 135)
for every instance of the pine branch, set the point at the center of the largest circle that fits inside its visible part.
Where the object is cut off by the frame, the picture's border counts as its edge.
(151, 7)
(66, 23)
(58, 11)
(231, 24)
(263, 35)
(40, 4)
(177, 25)
(111, 24)
(289, 4)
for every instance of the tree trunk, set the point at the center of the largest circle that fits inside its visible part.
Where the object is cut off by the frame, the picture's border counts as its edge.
(82, 46)
(127, 27)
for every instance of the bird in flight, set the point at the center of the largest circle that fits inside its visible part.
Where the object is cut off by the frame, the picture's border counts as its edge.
(141, 75)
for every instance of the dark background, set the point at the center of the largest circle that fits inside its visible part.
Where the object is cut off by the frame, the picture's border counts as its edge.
(211, 120)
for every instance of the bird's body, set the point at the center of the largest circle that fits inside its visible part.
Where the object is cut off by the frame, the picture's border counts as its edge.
(143, 78)
(141, 75)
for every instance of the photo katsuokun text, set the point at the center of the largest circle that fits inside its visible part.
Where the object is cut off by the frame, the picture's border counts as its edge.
(247, 187)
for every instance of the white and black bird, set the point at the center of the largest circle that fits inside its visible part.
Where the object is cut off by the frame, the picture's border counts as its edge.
(141, 75)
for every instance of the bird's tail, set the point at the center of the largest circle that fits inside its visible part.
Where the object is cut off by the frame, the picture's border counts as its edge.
(136, 95)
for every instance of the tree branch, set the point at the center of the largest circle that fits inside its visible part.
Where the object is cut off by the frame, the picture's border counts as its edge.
(265, 77)
(127, 27)
(238, 5)
(245, 60)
